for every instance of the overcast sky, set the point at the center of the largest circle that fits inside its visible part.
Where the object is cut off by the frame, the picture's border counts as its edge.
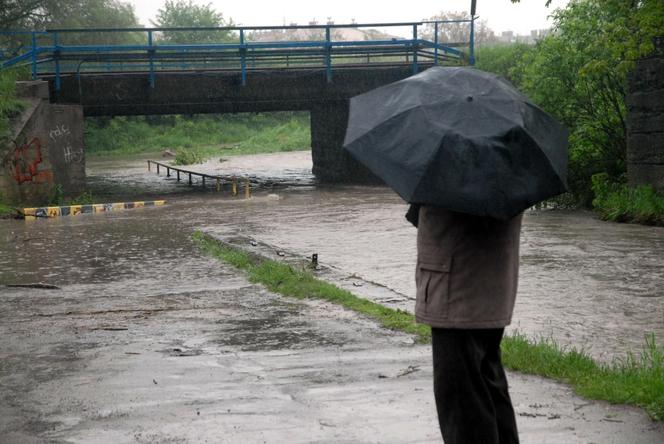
(501, 15)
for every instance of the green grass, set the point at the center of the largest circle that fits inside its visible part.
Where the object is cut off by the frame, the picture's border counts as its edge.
(10, 105)
(188, 157)
(619, 202)
(634, 380)
(6, 211)
(288, 281)
(203, 135)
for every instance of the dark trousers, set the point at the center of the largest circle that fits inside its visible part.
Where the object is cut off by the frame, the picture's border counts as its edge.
(470, 387)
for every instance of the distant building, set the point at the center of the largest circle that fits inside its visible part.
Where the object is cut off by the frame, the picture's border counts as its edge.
(534, 36)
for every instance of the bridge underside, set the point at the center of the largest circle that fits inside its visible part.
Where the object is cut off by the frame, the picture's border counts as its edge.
(222, 92)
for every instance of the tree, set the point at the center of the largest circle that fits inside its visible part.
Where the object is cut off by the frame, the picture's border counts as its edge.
(187, 14)
(579, 74)
(14, 14)
(51, 14)
(458, 34)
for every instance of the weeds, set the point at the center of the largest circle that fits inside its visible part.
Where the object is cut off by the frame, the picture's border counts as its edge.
(188, 157)
(204, 136)
(620, 203)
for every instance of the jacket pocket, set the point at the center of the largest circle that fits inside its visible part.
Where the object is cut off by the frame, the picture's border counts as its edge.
(432, 282)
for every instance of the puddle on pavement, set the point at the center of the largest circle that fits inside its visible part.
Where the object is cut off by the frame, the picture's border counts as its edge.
(583, 282)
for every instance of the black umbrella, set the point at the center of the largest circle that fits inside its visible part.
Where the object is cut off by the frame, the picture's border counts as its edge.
(461, 139)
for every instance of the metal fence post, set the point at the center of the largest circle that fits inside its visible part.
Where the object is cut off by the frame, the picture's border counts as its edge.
(243, 58)
(435, 42)
(151, 56)
(34, 55)
(328, 55)
(414, 49)
(471, 52)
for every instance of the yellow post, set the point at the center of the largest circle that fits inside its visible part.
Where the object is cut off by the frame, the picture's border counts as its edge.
(234, 187)
(247, 189)
(218, 184)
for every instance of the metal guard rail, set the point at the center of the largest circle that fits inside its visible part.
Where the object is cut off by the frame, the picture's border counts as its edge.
(123, 58)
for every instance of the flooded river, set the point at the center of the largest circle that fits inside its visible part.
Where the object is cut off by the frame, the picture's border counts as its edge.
(583, 282)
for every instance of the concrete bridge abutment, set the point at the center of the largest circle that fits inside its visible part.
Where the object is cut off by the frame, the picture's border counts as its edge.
(331, 163)
(645, 121)
(44, 156)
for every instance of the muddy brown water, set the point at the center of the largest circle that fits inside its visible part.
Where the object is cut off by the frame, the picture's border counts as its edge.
(583, 282)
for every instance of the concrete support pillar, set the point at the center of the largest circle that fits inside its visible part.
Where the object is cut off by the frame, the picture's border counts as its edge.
(645, 121)
(331, 163)
(45, 149)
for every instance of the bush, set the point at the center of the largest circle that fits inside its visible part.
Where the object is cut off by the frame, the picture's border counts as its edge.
(618, 202)
(187, 157)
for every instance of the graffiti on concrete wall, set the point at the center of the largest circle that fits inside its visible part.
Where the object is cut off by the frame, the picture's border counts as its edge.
(72, 155)
(58, 131)
(25, 163)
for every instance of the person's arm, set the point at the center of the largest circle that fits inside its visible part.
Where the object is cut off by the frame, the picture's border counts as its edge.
(413, 214)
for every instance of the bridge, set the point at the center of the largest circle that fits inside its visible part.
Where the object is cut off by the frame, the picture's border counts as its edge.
(316, 68)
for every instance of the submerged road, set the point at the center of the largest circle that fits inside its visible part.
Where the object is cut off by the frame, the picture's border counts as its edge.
(149, 341)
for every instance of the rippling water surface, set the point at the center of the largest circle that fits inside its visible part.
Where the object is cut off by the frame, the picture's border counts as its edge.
(584, 282)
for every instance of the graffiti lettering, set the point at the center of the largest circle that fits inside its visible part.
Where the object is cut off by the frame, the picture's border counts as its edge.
(58, 131)
(23, 163)
(72, 156)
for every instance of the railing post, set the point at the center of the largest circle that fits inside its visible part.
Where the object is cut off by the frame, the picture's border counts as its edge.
(243, 58)
(34, 55)
(414, 49)
(151, 56)
(435, 42)
(471, 55)
(56, 54)
(328, 55)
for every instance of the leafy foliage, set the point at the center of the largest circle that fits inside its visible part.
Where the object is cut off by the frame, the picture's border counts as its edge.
(207, 135)
(458, 33)
(579, 74)
(9, 104)
(187, 14)
(59, 14)
(620, 203)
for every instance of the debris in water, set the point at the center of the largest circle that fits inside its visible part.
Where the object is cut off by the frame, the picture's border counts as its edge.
(357, 284)
(39, 285)
(410, 369)
(253, 243)
(155, 381)
(281, 253)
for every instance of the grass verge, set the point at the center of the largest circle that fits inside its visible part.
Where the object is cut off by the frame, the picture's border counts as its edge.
(288, 281)
(634, 380)
(6, 211)
(618, 202)
(196, 138)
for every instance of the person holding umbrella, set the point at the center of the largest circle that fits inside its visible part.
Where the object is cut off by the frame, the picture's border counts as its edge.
(470, 153)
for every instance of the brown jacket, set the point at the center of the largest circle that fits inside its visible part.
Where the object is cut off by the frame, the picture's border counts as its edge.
(467, 269)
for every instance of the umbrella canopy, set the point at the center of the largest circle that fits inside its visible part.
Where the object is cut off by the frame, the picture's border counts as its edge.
(461, 139)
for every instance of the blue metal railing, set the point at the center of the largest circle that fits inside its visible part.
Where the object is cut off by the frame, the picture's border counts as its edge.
(50, 56)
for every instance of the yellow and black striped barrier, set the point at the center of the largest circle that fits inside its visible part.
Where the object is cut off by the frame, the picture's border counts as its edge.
(73, 210)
